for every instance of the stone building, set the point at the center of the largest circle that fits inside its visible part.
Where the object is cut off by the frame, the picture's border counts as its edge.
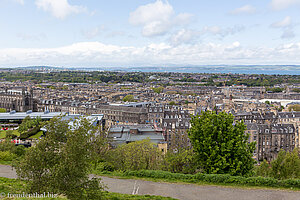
(18, 100)
(115, 115)
(274, 137)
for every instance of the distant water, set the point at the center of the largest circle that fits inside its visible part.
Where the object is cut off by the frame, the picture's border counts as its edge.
(282, 70)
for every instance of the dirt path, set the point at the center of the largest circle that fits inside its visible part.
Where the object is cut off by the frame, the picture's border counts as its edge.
(182, 191)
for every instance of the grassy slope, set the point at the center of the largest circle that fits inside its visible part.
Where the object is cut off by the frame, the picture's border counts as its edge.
(3, 134)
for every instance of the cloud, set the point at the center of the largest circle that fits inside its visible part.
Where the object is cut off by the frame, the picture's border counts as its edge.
(222, 32)
(283, 23)
(157, 18)
(29, 37)
(94, 32)
(184, 36)
(99, 54)
(246, 9)
(283, 4)
(288, 34)
(59, 8)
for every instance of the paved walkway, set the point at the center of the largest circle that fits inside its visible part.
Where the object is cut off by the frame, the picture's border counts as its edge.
(183, 191)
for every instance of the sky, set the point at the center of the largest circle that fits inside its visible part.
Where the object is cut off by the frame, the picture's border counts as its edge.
(122, 33)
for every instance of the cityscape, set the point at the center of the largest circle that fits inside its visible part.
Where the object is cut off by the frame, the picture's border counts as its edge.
(147, 101)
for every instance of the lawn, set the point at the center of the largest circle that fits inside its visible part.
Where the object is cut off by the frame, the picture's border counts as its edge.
(37, 136)
(3, 133)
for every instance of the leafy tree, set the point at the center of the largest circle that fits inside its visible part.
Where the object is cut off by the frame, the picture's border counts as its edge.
(263, 169)
(172, 103)
(158, 89)
(136, 156)
(128, 98)
(181, 161)
(2, 110)
(28, 123)
(60, 161)
(220, 144)
(295, 107)
(286, 165)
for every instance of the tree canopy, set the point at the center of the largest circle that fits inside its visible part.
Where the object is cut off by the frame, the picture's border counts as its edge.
(220, 144)
(60, 162)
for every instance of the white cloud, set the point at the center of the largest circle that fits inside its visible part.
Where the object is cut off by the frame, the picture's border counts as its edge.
(222, 32)
(157, 18)
(59, 8)
(31, 37)
(184, 36)
(94, 32)
(98, 54)
(288, 34)
(246, 9)
(283, 4)
(283, 23)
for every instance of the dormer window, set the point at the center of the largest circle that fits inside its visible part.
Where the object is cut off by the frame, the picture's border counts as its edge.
(267, 131)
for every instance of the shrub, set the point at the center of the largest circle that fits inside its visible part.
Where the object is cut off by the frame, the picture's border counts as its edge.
(30, 133)
(105, 166)
(7, 156)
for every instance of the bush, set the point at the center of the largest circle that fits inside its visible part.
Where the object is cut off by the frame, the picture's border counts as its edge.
(30, 133)
(7, 156)
(105, 166)
(135, 156)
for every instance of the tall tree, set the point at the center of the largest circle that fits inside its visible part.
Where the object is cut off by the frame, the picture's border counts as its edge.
(60, 162)
(220, 144)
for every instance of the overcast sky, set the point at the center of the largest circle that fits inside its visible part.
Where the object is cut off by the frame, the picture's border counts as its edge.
(96, 33)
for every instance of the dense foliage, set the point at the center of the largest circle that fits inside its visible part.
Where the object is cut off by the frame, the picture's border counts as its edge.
(9, 152)
(128, 98)
(285, 166)
(220, 144)
(136, 156)
(60, 162)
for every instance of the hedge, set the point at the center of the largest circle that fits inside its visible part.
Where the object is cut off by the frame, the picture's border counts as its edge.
(30, 133)
(216, 178)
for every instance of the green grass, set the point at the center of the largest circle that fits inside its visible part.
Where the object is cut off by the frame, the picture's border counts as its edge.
(37, 136)
(15, 186)
(3, 133)
(206, 179)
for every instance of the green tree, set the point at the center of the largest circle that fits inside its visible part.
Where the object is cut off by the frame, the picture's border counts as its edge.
(128, 98)
(295, 107)
(158, 89)
(286, 165)
(60, 162)
(220, 144)
(172, 103)
(136, 156)
(263, 169)
(2, 110)
(181, 161)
